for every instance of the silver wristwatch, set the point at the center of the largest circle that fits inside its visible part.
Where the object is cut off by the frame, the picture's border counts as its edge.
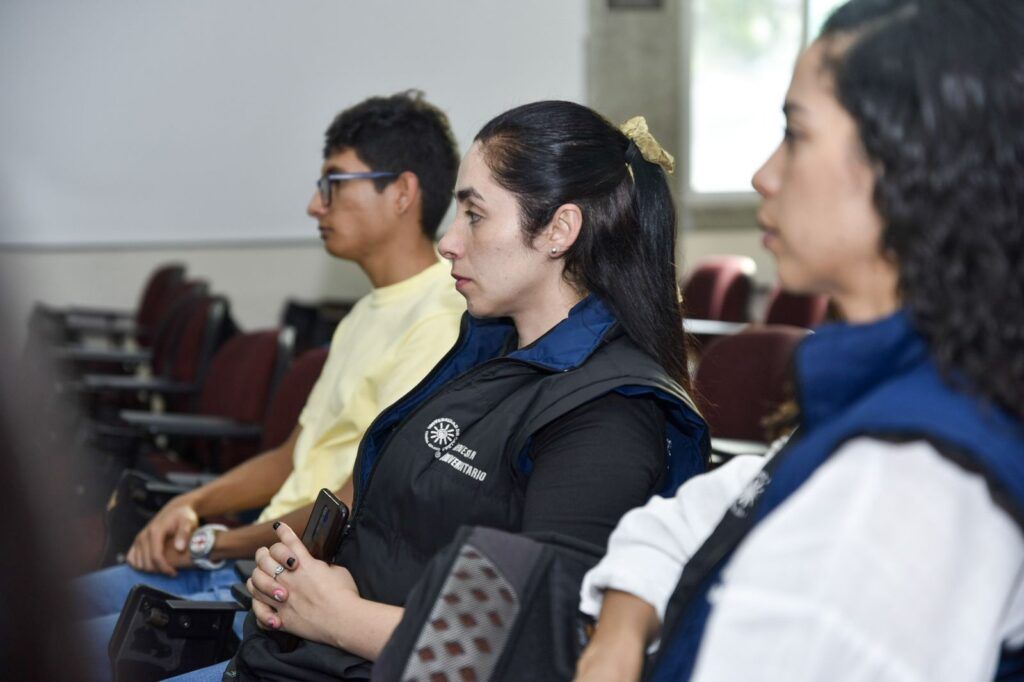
(202, 543)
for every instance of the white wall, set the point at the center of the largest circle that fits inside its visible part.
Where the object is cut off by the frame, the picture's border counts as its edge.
(137, 132)
(147, 121)
(141, 131)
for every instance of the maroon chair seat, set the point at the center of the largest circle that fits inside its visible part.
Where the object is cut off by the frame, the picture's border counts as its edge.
(78, 359)
(282, 403)
(285, 393)
(742, 379)
(196, 327)
(798, 310)
(227, 427)
(206, 329)
(719, 288)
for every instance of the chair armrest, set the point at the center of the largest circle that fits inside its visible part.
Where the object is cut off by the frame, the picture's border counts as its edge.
(198, 426)
(190, 480)
(114, 382)
(98, 428)
(713, 327)
(112, 355)
(106, 313)
(144, 492)
(161, 632)
(106, 326)
(200, 619)
(166, 489)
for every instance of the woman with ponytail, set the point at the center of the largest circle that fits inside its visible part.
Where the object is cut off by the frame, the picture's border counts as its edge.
(564, 403)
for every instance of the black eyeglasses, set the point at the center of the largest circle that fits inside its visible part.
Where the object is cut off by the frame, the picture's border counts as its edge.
(323, 185)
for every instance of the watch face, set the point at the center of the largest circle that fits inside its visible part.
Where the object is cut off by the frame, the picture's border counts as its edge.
(200, 544)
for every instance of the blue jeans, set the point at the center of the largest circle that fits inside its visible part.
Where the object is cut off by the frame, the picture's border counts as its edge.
(102, 594)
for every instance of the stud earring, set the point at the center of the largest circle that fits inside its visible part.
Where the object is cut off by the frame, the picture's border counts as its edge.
(554, 250)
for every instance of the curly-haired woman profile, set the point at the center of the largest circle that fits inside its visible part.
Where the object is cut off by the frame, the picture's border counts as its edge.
(885, 541)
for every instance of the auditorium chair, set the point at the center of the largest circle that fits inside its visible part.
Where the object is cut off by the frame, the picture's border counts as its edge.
(716, 298)
(719, 288)
(199, 325)
(227, 426)
(142, 494)
(180, 365)
(141, 324)
(80, 358)
(740, 381)
(314, 322)
(195, 329)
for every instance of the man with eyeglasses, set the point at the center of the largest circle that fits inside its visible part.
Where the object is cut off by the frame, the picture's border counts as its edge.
(386, 182)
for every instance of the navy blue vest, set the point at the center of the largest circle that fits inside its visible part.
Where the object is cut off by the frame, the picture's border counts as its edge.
(873, 380)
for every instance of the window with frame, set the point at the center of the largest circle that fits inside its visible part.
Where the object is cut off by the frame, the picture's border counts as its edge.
(741, 56)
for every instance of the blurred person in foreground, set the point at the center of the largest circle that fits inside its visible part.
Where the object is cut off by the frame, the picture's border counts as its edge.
(39, 544)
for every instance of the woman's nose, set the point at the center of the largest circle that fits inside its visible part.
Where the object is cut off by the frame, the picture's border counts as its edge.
(765, 180)
(448, 247)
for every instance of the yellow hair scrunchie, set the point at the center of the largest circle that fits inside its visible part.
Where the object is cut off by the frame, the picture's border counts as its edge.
(636, 130)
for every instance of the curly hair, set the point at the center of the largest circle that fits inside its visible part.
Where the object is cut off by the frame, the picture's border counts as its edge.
(402, 132)
(936, 88)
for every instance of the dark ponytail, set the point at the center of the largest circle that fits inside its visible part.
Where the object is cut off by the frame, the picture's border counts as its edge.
(553, 153)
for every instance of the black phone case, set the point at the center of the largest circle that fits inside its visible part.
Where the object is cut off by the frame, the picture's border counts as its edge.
(326, 525)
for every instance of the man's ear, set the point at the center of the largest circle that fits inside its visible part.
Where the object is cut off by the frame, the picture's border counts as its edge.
(406, 191)
(562, 231)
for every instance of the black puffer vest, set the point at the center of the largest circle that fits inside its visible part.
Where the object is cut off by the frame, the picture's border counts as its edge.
(454, 451)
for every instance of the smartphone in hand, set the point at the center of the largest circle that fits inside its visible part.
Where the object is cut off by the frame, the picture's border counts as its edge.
(326, 525)
(321, 537)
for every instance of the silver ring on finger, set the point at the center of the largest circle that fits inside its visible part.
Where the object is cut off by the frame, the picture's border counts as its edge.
(278, 571)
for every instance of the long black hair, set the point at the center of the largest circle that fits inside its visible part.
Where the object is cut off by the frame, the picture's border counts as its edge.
(553, 153)
(936, 88)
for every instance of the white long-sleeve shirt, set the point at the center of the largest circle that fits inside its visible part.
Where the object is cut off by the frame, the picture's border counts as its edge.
(890, 563)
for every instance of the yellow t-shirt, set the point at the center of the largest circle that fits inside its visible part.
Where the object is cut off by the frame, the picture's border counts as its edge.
(388, 342)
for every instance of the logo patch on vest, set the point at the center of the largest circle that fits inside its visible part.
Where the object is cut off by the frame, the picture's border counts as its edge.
(441, 436)
(750, 494)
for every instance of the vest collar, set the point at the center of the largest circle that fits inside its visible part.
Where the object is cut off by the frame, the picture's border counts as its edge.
(841, 362)
(569, 343)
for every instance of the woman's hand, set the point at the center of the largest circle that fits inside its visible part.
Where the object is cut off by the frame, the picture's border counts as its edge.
(296, 593)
